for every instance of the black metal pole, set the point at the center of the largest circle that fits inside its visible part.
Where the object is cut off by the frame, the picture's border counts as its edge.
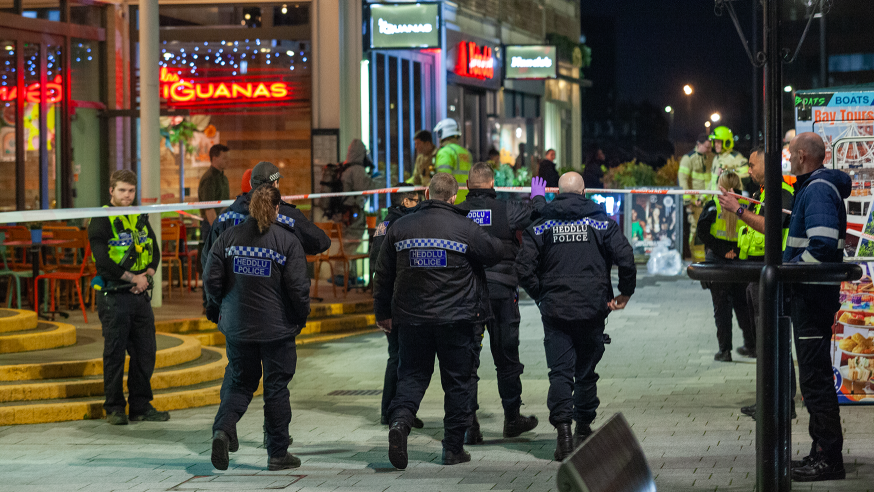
(757, 75)
(772, 390)
(823, 53)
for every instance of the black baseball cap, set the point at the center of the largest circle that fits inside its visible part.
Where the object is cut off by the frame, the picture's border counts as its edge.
(264, 172)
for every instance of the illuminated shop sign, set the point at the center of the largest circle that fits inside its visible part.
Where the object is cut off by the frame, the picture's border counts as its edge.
(474, 61)
(414, 25)
(530, 62)
(54, 92)
(178, 90)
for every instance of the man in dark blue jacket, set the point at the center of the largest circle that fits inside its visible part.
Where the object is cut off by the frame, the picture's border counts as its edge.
(564, 265)
(817, 232)
(430, 284)
(502, 219)
(402, 204)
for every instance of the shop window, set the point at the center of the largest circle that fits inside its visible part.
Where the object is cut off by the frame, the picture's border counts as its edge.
(291, 14)
(87, 139)
(7, 124)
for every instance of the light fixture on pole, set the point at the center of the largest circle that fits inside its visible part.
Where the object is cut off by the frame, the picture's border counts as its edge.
(715, 117)
(687, 89)
(707, 124)
(669, 109)
(788, 88)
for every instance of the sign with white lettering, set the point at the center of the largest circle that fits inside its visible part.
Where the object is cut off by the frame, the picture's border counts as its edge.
(254, 267)
(413, 25)
(530, 62)
(427, 258)
(481, 217)
(570, 233)
(473, 61)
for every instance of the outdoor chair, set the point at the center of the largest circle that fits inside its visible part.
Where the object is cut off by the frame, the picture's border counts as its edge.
(75, 277)
(171, 236)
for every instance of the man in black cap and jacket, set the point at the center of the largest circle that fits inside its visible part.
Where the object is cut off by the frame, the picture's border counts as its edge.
(430, 285)
(564, 265)
(501, 219)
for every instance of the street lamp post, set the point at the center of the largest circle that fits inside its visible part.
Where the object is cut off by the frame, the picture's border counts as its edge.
(688, 91)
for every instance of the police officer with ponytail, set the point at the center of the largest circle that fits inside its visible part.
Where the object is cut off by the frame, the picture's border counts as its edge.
(126, 253)
(256, 274)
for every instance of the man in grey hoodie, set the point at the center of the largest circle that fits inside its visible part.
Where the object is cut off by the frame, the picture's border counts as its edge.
(355, 178)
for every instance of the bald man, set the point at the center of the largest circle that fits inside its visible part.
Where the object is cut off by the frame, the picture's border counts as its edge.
(564, 265)
(817, 231)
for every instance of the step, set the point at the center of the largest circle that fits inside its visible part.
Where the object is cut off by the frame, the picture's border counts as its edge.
(191, 326)
(210, 366)
(46, 335)
(17, 320)
(85, 358)
(197, 395)
(336, 324)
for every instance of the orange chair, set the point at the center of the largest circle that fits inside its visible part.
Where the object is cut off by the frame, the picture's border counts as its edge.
(335, 233)
(189, 254)
(68, 257)
(75, 277)
(171, 236)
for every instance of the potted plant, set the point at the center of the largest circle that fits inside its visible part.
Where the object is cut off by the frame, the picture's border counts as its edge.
(35, 232)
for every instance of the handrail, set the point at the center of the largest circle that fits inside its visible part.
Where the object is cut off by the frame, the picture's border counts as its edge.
(790, 273)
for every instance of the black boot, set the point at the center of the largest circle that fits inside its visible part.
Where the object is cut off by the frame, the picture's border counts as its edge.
(581, 433)
(283, 462)
(473, 435)
(397, 445)
(451, 458)
(564, 445)
(220, 442)
(515, 424)
(818, 469)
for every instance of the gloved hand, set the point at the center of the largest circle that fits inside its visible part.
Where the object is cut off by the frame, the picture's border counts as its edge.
(212, 312)
(538, 187)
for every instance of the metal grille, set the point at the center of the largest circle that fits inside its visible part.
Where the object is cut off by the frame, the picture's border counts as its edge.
(355, 393)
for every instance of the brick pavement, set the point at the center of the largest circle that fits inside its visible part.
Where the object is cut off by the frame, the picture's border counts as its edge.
(659, 372)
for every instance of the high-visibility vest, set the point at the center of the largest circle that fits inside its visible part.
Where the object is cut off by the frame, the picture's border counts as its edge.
(130, 246)
(719, 229)
(752, 242)
(455, 160)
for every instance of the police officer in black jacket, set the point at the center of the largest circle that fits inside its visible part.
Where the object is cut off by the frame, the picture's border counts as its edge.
(564, 265)
(403, 204)
(256, 273)
(430, 285)
(501, 219)
(312, 239)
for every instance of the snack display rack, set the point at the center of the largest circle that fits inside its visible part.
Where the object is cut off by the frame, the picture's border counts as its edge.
(853, 341)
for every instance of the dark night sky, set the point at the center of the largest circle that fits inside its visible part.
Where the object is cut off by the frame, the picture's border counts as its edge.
(663, 45)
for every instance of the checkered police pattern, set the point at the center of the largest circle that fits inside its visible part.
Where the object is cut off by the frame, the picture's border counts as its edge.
(284, 219)
(431, 243)
(120, 242)
(236, 217)
(255, 253)
(549, 224)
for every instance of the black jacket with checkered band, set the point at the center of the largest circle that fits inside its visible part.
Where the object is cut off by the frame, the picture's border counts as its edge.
(431, 268)
(392, 214)
(501, 218)
(566, 258)
(260, 282)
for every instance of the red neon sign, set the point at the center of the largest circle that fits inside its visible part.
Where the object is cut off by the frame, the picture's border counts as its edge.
(54, 92)
(474, 61)
(179, 91)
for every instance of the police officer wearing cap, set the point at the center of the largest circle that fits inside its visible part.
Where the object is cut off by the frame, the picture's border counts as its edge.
(312, 239)
(256, 273)
(501, 219)
(430, 285)
(126, 252)
(564, 265)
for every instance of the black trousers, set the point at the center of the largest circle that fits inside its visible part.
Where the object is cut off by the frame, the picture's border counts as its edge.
(573, 350)
(128, 328)
(503, 330)
(390, 381)
(728, 296)
(453, 346)
(242, 375)
(813, 308)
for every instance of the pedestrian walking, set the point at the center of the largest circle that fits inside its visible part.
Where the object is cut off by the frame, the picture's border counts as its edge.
(126, 251)
(717, 229)
(430, 286)
(817, 231)
(501, 219)
(256, 274)
(402, 204)
(564, 265)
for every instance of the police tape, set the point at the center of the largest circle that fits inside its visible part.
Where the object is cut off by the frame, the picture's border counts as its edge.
(91, 212)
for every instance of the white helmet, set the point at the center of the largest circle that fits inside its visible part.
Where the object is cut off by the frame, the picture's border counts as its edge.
(447, 128)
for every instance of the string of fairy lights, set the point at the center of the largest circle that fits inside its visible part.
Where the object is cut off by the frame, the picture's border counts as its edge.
(236, 56)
